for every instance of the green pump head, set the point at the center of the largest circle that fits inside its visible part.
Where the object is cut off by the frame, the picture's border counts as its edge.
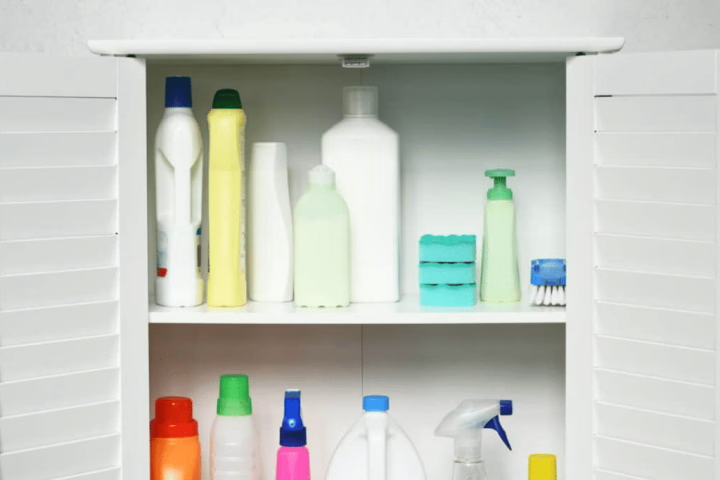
(500, 190)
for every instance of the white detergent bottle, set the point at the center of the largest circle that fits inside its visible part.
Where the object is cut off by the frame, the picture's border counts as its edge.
(178, 180)
(234, 453)
(270, 231)
(376, 448)
(465, 425)
(363, 152)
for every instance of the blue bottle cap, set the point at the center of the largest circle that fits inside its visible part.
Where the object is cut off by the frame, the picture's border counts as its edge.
(376, 403)
(506, 407)
(177, 92)
(292, 431)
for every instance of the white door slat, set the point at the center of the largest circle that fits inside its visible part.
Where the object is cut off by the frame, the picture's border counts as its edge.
(57, 184)
(68, 390)
(58, 323)
(656, 114)
(655, 255)
(692, 150)
(605, 475)
(669, 396)
(58, 426)
(105, 474)
(46, 114)
(682, 222)
(33, 256)
(652, 463)
(662, 361)
(694, 294)
(54, 358)
(37, 75)
(680, 185)
(665, 73)
(20, 221)
(61, 460)
(57, 288)
(58, 149)
(670, 327)
(657, 429)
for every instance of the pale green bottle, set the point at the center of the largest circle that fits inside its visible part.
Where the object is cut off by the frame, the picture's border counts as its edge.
(500, 275)
(322, 244)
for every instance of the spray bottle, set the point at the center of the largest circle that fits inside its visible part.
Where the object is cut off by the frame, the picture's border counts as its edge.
(465, 424)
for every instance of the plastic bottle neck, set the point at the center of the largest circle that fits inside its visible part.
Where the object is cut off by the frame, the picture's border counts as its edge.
(321, 187)
(360, 115)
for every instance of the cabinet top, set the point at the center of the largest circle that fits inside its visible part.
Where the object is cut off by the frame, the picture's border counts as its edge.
(394, 50)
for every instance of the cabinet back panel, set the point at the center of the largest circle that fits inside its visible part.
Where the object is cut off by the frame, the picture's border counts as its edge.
(426, 371)
(454, 122)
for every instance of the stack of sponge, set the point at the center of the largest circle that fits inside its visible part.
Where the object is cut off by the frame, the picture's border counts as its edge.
(447, 271)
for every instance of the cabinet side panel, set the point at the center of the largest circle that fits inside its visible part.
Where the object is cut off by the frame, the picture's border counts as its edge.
(579, 346)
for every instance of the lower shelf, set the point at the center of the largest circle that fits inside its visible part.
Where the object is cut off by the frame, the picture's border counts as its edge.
(406, 312)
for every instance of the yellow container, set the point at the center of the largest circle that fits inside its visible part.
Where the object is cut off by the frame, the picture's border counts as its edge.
(226, 283)
(542, 466)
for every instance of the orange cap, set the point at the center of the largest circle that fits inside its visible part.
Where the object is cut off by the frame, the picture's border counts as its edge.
(173, 418)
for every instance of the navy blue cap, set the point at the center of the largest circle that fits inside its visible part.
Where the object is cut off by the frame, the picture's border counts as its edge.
(177, 92)
(292, 431)
(506, 407)
(376, 403)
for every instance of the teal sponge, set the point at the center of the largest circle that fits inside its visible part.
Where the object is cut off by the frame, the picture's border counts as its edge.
(448, 295)
(447, 249)
(448, 273)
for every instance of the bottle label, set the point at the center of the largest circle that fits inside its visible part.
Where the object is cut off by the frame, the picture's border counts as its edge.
(162, 245)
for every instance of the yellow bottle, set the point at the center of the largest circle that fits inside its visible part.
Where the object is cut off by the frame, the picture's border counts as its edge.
(226, 283)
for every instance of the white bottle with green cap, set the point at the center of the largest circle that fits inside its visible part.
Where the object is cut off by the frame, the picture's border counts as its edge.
(233, 442)
(500, 275)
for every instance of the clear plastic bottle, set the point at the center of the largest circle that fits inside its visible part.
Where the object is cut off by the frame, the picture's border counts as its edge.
(178, 191)
(363, 152)
(233, 442)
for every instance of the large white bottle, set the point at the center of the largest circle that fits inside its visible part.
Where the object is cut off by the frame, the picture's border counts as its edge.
(178, 180)
(376, 448)
(270, 233)
(363, 152)
(234, 453)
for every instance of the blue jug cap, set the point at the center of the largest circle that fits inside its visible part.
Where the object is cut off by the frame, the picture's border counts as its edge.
(292, 431)
(177, 92)
(376, 403)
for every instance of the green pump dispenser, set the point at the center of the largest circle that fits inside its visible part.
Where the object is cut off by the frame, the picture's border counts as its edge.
(500, 273)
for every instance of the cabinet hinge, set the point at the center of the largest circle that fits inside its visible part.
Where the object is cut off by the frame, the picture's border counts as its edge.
(355, 60)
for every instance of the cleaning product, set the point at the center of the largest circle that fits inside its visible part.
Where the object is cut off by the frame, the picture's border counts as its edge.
(363, 151)
(322, 244)
(500, 276)
(269, 225)
(233, 443)
(465, 424)
(376, 448)
(542, 466)
(226, 259)
(178, 193)
(293, 458)
(174, 444)
(447, 271)
(547, 279)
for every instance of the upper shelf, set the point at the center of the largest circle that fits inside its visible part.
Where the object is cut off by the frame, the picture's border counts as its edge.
(395, 50)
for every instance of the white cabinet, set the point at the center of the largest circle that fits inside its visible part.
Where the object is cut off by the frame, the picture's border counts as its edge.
(616, 159)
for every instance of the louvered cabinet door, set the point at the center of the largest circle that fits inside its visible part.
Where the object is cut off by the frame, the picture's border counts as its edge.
(642, 175)
(73, 282)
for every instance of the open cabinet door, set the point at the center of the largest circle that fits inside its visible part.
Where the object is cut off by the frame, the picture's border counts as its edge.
(73, 269)
(642, 196)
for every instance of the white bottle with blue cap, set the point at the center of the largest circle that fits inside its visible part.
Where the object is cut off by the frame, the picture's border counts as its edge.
(178, 191)
(376, 448)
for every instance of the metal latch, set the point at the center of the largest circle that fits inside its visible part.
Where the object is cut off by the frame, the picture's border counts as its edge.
(355, 60)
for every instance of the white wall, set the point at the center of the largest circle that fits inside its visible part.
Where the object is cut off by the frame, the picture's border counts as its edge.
(64, 26)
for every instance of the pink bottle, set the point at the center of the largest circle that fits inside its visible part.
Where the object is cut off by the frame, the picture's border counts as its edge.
(293, 458)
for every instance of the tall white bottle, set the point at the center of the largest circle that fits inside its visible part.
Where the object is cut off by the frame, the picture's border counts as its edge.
(270, 273)
(363, 152)
(178, 180)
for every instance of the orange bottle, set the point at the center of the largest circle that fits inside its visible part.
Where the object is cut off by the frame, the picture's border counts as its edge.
(174, 443)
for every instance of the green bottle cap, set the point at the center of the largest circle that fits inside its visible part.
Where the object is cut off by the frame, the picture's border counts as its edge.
(500, 190)
(227, 98)
(234, 398)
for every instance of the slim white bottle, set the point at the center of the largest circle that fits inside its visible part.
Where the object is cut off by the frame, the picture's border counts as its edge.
(234, 453)
(270, 272)
(178, 180)
(363, 152)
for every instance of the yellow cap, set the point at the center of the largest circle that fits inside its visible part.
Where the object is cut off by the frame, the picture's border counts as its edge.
(542, 466)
